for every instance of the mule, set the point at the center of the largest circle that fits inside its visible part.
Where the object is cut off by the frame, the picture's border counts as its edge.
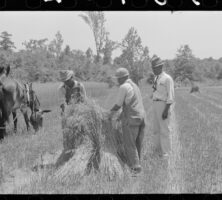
(15, 95)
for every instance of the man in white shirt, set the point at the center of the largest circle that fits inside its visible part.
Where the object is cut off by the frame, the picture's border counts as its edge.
(132, 118)
(70, 90)
(163, 98)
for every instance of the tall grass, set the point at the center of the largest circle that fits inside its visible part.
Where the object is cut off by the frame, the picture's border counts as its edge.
(198, 160)
(201, 141)
(22, 150)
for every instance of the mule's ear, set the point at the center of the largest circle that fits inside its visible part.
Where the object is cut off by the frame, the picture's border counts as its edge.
(7, 70)
(37, 110)
(46, 111)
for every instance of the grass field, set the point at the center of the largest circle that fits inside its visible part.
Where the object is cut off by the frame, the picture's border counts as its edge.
(193, 167)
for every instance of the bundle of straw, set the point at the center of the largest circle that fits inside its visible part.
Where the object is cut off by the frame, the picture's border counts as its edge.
(94, 140)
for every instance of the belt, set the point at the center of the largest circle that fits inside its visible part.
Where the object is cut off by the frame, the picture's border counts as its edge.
(157, 100)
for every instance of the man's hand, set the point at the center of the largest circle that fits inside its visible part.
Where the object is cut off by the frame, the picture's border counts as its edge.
(119, 118)
(107, 115)
(165, 112)
(62, 106)
(111, 113)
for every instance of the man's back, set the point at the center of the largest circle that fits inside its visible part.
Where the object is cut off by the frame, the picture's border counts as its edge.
(133, 106)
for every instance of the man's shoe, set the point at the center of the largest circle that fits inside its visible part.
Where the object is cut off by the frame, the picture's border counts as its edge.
(157, 152)
(136, 173)
(136, 170)
(164, 155)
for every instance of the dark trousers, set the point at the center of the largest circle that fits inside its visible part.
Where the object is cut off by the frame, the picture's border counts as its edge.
(133, 139)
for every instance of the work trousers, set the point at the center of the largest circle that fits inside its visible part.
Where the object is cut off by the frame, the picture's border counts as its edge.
(133, 138)
(161, 128)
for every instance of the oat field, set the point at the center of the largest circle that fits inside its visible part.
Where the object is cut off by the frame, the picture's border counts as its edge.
(193, 167)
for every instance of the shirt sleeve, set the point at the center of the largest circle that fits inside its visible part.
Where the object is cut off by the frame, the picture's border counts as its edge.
(170, 91)
(61, 92)
(83, 91)
(121, 96)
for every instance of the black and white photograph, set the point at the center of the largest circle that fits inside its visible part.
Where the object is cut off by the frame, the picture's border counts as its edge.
(110, 102)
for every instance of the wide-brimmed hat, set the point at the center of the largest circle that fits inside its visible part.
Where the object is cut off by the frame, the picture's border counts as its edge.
(66, 75)
(156, 61)
(121, 72)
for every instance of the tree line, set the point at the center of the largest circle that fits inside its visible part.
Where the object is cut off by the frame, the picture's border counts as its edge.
(41, 59)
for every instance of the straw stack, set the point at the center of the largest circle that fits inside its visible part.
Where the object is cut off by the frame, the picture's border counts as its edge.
(92, 143)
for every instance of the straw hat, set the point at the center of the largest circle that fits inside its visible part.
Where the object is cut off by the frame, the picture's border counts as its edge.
(156, 61)
(66, 75)
(121, 72)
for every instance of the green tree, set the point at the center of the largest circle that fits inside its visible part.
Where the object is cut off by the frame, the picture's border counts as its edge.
(5, 43)
(55, 46)
(96, 21)
(169, 67)
(133, 56)
(35, 45)
(184, 64)
(89, 54)
(67, 50)
(219, 76)
(37, 61)
(65, 59)
(109, 47)
(5, 58)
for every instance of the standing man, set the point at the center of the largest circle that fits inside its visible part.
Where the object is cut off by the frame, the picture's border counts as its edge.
(163, 98)
(70, 90)
(132, 118)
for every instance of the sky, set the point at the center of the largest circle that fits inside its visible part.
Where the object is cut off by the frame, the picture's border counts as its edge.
(163, 32)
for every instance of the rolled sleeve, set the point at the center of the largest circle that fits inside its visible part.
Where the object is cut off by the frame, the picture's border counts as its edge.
(121, 96)
(83, 91)
(170, 91)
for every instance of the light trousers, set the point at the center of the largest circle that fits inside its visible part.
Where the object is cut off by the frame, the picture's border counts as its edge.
(161, 128)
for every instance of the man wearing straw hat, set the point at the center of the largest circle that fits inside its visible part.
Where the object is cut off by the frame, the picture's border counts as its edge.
(132, 117)
(70, 89)
(163, 98)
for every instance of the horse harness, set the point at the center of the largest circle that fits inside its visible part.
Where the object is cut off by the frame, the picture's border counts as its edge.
(31, 100)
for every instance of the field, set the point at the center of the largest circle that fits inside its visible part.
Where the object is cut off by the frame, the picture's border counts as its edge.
(193, 167)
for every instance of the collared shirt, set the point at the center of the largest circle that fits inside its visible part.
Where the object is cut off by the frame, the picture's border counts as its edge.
(125, 93)
(130, 99)
(164, 88)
